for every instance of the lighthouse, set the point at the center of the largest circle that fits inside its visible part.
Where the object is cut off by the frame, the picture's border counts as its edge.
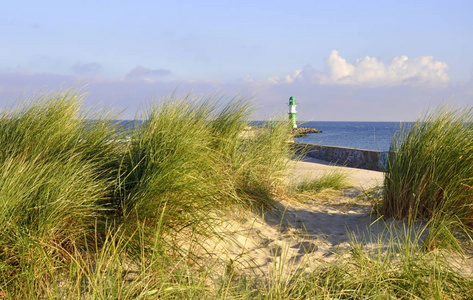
(292, 111)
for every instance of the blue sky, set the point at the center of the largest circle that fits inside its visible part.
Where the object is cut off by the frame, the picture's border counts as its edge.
(342, 60)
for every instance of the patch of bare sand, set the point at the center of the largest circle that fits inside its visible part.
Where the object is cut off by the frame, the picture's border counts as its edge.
(306, 235)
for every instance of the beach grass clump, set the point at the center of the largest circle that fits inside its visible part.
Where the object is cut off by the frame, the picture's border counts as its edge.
(54, 182)
(430, 167)
(228, 126)
(192, 157)
(335, 180)
(252, 158)
(169, 171)
(257, 169)
(54, 165)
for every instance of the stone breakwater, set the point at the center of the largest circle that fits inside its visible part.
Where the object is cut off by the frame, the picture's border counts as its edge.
(349, 157)
(302, 131)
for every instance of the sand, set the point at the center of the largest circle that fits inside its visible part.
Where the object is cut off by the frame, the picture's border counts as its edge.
(312, 168)
(306, 235)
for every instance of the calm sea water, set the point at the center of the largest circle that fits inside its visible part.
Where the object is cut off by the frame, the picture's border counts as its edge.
(362, 135)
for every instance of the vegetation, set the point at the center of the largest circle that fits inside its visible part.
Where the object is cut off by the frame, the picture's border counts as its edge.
(429, 174)
(70, 187)
(92, 212)
(54, 180)
(335, 180)
(399, 271)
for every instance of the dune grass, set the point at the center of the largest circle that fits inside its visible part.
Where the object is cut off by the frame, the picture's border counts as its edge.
(258, 168)
(335, 180)
(168, 168)
(404, 273)
(429, 174)
(54, 181)
(191, 157)
(68, 186)
(89, 213)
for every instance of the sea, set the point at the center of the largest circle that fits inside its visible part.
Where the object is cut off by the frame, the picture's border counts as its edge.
(361, 135)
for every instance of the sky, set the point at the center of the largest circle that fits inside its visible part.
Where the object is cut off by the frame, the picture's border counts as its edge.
(342, 60)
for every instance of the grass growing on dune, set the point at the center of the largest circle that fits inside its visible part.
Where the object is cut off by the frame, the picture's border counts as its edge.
(65, 180)
(252, 159)
(170, 165)
(88, 213)
(53, 182)
(257, 170)
(402, 272)
(336, 180)
(191, 156)
(54, 168)
(429, 171)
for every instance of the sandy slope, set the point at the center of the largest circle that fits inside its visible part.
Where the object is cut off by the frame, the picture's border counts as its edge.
(304, 235)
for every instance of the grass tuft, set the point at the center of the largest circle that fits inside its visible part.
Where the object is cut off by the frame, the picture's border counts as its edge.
(430, 167)
(335, 180)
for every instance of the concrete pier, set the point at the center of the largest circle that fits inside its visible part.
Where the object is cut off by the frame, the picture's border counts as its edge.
(349, 157)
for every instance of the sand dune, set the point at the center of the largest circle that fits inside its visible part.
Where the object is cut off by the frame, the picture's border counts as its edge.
(296, 235)
(307, 235)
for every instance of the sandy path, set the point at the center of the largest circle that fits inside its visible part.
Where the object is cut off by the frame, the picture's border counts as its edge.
(299, 235)
(305, 235)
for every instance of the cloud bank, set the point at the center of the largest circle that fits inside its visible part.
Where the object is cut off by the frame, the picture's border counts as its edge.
(367, 89)
(369, 71)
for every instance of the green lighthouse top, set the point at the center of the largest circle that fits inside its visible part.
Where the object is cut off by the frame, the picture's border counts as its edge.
(292, 100)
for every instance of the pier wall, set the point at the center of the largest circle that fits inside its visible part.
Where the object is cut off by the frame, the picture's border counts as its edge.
(349, 157)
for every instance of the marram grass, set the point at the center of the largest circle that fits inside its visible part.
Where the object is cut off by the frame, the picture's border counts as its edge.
(64, 180)
(88, 214)
(335, 180)
(191, 156)
(430, 168)
(54, 181)
(54, 172)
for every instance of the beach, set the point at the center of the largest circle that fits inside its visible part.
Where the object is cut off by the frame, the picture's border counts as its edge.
(308, 235)
(194, 206)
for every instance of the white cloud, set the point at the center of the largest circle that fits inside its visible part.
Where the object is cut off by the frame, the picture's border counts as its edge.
(369, 71)
(292, 76)
(337, 68)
